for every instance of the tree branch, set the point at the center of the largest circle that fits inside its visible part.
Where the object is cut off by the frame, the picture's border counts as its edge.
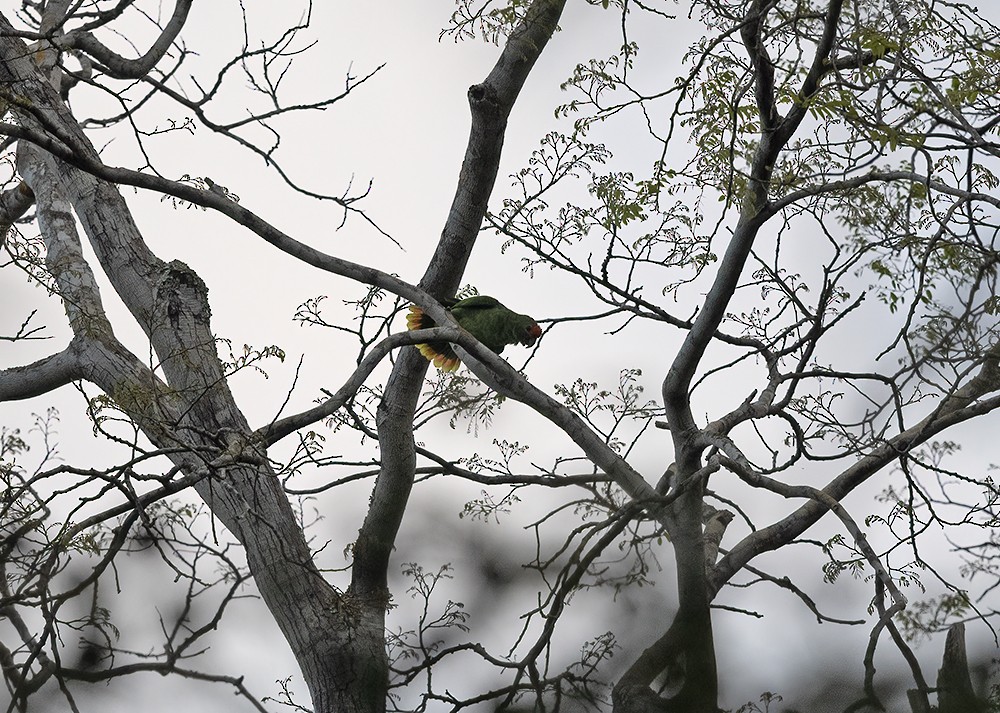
(115, 65)
(954, 410)
(490, 103)
(505, 380)
(40, 377)
(274, 432)
(14, 203)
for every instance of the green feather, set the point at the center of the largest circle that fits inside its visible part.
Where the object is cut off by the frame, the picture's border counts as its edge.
(484, 318)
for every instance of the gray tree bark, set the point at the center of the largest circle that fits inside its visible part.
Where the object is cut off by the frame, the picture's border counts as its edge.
(339, 651)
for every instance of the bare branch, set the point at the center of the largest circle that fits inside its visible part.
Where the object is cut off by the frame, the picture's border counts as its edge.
(41, 377)
(119, 67)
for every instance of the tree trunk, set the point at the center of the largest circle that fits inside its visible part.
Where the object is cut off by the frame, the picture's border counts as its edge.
(955, 694)
(686, 652)
(338, 642)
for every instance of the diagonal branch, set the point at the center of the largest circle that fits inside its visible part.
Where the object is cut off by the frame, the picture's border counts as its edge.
(763, 68)
(820, 66)
(739, 465)
(505, 380)
(214, 201)
(756, 209)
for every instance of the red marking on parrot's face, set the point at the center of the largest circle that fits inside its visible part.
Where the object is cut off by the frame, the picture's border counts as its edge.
(531, 334)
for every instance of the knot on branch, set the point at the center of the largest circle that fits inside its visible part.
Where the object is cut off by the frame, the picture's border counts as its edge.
(180, 289)
(484, 100)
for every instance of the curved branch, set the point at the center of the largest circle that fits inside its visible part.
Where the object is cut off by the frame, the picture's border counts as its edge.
(113, 64)
(874, 176)
(739, 465)
(273, 432)
(756, 209)
(786, 583)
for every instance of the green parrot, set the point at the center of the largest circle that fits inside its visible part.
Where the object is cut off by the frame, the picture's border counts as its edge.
(485, 319)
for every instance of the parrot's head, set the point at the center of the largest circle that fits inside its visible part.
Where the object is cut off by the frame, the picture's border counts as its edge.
(530, 334)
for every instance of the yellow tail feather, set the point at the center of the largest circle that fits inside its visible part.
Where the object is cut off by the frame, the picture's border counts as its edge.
(445, 361)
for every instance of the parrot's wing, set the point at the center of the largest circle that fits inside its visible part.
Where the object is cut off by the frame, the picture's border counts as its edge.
(482, 316)
(477, 302)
